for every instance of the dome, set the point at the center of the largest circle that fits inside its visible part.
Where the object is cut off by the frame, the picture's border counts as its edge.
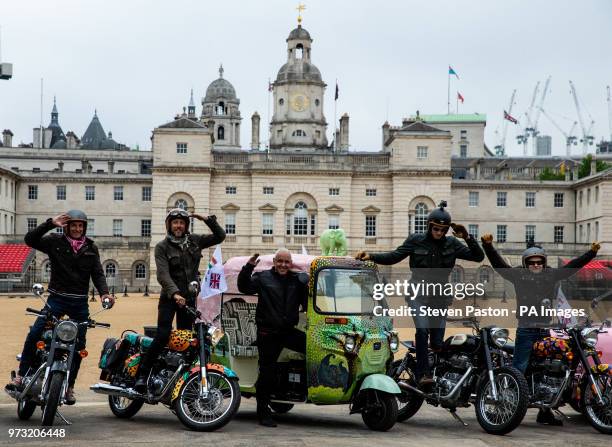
(299, 70)
(220, 88)
(299, 33)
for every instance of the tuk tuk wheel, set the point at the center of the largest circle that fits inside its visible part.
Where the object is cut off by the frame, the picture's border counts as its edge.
(408, 403)
(281, 408)
(380, 410)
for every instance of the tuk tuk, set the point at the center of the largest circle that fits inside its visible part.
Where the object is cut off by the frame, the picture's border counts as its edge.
(348, 348)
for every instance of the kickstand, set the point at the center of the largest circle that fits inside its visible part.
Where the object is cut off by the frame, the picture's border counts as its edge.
(66, 421)
(457, 418)
(560, 413)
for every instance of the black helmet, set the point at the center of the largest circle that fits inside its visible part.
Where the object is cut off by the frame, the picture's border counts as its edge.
(76, 216)
(177, 213)
(439, 216)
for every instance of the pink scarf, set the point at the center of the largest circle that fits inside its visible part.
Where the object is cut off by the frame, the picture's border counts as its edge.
(76, 244)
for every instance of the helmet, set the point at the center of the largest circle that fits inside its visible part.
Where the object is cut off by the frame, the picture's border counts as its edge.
(177, 213)
(532, 252)
(439, 216)
(76, 216)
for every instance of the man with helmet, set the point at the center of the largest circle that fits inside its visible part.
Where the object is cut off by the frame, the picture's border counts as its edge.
(74, 260)
(432, 258)
(177, 259)
(535, 284)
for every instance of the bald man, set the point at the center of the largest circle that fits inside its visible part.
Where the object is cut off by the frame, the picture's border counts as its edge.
(281, 292)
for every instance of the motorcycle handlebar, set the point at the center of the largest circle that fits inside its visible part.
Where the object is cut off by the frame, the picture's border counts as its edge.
(96, 323)
(34, 311)
(193, 312)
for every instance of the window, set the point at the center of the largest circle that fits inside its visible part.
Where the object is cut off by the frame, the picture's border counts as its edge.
(484, 275)
(420, 218)
(530, 233)
(596, 231)
(181, 148)
(473, 197)
(370, 192)
(32, 223)
(267, 224)
(220, 133)
(90, 193)
(60, 192)
(300, 219)
(530, 199)
(33, 192)
(558, 201)
(140, 271)
(117, 227)
(118, 193)
(473, 230)
(46, 271)
(580, 198)
(463, 134)
(298, 133)
(313, 224)
(230, 223)
(596, 194)
(502, 233)
(463, 151)
(146, 193)
(456, 275)
(581, 234)
(588, 234)
(281, 102)
(110, 270)
(421, 152)
(334, 191)
(59, 230)
(181, 203)
(502, 199)
(558, 234)
(370, 226)
(145, 227)
(230, 190)
(91, 224)
(333, 222)
(268, 190)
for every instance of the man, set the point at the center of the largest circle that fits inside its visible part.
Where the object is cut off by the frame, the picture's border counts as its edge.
(281, 292)
(535, 284)
(432, 258)
(74, 260)
(177, 259)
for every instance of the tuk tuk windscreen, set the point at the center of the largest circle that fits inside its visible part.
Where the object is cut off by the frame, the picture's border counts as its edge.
(345, 291)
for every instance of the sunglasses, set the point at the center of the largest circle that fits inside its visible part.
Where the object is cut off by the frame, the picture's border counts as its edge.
(439, 229)
(535, 262)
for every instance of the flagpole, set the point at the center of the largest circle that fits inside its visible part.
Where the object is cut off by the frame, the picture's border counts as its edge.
(269, 124)
(335, 114)
(457, 103)
(448, 97)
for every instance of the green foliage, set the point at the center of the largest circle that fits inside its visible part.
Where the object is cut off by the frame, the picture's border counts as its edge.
(548, 174)
(584, 169)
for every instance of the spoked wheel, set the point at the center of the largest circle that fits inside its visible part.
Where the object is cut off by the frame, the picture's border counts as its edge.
(408, 404)
(503, 415)
(380, 410)
(124, 408)
(212, 411)
(25, 409)
(598, 414)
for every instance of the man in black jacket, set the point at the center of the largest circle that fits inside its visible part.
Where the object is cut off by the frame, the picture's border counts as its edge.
(74, 260)
(177, 259)
(281, 292)
(432, 258)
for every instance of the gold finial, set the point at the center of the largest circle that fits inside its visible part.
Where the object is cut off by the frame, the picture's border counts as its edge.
(301, 7)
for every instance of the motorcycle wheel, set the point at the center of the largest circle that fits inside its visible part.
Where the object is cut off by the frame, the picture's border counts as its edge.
(25, 409)
(53, 398)
(124, 408)
(503, 416)
(408, 404)
(280, 407)
(599, 416)
(380, 412)
(212, 412)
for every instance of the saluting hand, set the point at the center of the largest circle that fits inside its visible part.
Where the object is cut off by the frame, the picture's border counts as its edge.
(254, 260)
(60, 220)
(487, 238)
(459, 231)
(362, 256)
(199, 217)
(595, 246)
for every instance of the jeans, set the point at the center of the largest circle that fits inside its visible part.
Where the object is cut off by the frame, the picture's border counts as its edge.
(428, 329)
(525, 338)
(76, 309)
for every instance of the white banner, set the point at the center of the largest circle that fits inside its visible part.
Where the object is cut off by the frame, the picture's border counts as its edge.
(214, 281)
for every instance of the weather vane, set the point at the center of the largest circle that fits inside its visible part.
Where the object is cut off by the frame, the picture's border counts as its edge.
(301, 7)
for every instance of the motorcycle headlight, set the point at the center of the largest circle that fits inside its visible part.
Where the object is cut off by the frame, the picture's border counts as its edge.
(499, 336)
(66, 331)
(589, 335)
(393, 342)
(349, 343)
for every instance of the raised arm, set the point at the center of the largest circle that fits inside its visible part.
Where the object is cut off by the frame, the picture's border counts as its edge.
(576, 264)
(218, 233)
(395, 256)
(247, 282)
(471, 252)
(36, 238)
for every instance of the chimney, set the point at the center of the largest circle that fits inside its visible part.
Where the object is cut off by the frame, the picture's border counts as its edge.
(7, 138)
(36, 138)
(385, 134)
(255, 120)
(47, 135)
(71, 140)
(593, 167)
(111, 166)
(86, 166)
(344, 132)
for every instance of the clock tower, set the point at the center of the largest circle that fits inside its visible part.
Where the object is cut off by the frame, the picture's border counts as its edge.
(298, 121)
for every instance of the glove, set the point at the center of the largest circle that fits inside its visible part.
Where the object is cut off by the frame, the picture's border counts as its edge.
(362, 256)
(459, 231)
(487, 238)
(595, 246)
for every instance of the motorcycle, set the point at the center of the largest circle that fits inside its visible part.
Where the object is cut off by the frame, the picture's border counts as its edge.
(204, 395)
(46, 382)
(468, 369)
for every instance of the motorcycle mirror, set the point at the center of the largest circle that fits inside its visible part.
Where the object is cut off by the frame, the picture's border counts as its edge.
(38, 289)
(193, 287)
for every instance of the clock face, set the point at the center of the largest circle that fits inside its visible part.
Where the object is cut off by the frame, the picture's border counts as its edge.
(299, 102)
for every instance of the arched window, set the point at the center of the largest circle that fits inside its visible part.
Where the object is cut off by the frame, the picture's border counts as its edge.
(220, 110)
(420, 218)
(181, 203)
(220, 133)
(140, 271)
(299, 51)
(298, 133)
(110, 270)
(300, 219)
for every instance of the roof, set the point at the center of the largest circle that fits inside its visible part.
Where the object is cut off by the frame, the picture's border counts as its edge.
(299, 33)
(182, 123)
(298, 70)
(455, 118)
(15, 258)
(220, 88)
(419, 126)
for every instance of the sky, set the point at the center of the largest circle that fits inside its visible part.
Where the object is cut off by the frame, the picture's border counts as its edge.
(135, 61)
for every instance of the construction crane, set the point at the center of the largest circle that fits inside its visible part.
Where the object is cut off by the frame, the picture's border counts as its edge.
(524, 137)
(609, 112)
(534, 125)
(500, 150)
(587, 138)
(569, 138)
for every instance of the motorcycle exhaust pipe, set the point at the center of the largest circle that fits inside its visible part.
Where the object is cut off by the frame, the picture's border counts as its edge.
(405, 386)
(111, 390)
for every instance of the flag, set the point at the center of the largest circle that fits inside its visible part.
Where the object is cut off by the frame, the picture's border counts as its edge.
(460, 98)
(214, 280)
(270, 86)
(452, 72)
(563, 304)
(510, 118)
(336, 95)
(304, 251)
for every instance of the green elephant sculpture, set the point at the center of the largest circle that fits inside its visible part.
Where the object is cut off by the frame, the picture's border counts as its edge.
(333, 242)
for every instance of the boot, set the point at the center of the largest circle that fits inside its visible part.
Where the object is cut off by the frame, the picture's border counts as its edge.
(546, 416)
(265, 415)
(69, 398)
(141, 383)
